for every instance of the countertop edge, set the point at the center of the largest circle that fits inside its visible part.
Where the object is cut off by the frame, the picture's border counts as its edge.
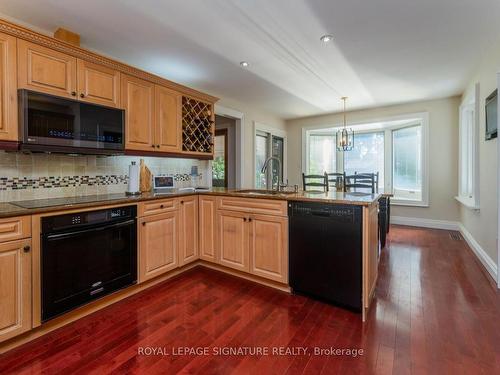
(7, 209)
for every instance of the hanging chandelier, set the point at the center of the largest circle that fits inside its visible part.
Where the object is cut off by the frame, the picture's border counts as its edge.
(345, 137)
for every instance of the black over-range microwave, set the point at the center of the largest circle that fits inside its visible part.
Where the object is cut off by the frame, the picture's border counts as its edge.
(54, 124)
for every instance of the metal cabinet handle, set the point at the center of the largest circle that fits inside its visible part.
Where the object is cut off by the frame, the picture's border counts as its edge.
(82, 95)
(26, 249)
(73, 93)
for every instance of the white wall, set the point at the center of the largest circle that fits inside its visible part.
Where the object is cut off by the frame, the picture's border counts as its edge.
(443, 151)
(482, 224)
(251, 115)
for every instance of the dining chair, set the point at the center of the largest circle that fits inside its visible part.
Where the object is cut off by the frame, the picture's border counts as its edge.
(359, 181)
(335, 180)
(315, 181)
(364, 177)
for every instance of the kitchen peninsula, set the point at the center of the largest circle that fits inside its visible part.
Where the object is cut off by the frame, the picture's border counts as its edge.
(241, 232)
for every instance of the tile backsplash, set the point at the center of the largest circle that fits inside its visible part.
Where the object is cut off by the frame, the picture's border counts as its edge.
(40, 175)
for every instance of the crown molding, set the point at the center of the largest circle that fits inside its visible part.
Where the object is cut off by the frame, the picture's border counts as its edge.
(21, 32)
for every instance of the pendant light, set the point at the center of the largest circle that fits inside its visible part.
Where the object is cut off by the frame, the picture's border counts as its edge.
(345, 137)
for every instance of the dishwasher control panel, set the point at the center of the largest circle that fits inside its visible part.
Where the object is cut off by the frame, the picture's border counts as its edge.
(336, 212)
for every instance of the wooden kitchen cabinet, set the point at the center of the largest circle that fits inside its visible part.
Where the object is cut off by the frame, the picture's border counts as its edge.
(158, 244)
(15, 288)
(45, 70)
(269, 247)
(250, 239)
(207, 224)
(168, 128)
(8, 89)
(98, 84)
(139, 104)
(188, 229)
(233, 239)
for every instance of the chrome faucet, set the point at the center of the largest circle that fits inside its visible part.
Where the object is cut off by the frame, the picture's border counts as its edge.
(280, 184)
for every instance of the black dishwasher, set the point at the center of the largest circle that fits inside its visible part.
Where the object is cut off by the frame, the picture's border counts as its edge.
(325, 260)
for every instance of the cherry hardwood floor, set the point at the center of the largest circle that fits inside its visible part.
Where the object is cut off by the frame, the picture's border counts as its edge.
(435, 312)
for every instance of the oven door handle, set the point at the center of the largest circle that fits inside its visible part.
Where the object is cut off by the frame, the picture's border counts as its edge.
(94, 229)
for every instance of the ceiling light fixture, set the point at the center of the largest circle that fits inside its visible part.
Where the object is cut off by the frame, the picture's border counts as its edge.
(326, 38)
(244, 64)
(345, 137)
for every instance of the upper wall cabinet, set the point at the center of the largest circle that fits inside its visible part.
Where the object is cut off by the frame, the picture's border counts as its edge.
(43, 69)
(8, 86)
(98, 84)
(138, 102)
(168, 119)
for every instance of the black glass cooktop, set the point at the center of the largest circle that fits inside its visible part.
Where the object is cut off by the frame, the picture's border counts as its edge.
(69, 201)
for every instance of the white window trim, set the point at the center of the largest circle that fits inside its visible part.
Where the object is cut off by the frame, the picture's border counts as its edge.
(421, 118)
(473, 101)
(257, 126)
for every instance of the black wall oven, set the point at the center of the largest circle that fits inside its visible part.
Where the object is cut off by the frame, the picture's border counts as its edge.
(51, 123)
(85, 256)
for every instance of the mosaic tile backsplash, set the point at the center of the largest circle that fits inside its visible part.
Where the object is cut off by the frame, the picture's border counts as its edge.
(38, 176)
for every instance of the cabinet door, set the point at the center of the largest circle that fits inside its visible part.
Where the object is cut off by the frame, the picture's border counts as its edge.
(269, 247)
(15, 288)
(158, 245)
(206, 231)
(233, 239)
(8, 89)
(168, 119)
(138, 102)
(188, 246)
(98, 84)
(43, 69)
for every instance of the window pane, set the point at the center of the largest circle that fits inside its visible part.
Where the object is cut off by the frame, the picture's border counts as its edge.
(218, 165)
(260, 158)
(407, 163)
(277, 150)
(322, 154)
(367, 156)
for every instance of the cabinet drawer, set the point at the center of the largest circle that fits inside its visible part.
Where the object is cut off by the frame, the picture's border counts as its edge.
(253, 205)
(157, 206)
(15, 228)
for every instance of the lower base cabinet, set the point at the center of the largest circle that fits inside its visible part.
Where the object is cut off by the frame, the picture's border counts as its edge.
(188, 230)
(269, 247)
(256, 244)
(233, 240)
(158, 244)
(15, 288)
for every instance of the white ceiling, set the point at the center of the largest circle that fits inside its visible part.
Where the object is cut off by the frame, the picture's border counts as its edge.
(384, 51)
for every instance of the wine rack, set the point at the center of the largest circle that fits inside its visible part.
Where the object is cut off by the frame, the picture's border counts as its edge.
(197, 126)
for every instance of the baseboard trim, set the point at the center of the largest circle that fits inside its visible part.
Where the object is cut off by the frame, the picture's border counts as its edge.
(425, 223)
(483, 257)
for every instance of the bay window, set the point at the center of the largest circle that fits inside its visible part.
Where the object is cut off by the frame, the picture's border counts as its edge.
(395, 148)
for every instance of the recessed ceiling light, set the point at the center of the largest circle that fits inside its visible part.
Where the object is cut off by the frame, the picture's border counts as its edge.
(326, 38)
(244, 64)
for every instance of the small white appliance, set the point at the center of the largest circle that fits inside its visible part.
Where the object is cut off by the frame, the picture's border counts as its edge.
(163, 184)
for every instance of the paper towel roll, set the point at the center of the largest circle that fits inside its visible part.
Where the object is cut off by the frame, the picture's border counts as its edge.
(133, 179)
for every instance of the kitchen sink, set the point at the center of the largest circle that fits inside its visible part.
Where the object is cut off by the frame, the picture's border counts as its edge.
(263, 192)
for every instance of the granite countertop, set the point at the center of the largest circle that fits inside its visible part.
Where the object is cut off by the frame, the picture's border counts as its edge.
(9, 209)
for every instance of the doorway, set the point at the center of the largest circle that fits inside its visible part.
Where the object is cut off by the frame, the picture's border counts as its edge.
(269, 142)
(224, 163)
